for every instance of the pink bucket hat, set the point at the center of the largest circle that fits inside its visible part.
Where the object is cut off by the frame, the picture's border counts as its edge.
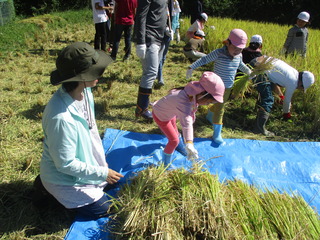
(238, 38)
(209, 82)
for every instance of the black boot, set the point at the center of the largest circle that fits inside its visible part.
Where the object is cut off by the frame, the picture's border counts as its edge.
(143, 103)
(260, 124)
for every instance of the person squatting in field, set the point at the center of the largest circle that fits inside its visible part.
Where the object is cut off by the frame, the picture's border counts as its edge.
(193, 50)
(73, 168)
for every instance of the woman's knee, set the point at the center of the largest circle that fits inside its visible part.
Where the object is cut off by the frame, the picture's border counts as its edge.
(95, 210)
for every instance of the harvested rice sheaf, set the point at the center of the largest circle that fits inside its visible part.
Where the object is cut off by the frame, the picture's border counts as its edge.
(243, 84)
(194, 204)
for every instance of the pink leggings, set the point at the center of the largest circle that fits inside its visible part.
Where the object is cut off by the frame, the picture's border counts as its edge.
(169, 128)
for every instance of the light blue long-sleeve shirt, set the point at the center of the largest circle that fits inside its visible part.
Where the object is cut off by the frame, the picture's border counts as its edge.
(67, 157)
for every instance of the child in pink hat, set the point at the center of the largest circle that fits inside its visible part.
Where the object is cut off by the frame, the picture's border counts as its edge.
(227, 60)
(181, 104)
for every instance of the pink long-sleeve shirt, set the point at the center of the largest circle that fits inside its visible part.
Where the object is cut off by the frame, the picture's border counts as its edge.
(177, 104)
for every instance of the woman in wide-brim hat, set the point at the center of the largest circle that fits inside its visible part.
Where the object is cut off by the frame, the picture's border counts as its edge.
(73, 168)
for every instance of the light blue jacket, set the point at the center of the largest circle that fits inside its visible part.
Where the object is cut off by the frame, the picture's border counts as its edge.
(67, 157)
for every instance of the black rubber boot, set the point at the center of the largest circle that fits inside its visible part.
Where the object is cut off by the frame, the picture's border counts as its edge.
(143, 103)
(260, 124)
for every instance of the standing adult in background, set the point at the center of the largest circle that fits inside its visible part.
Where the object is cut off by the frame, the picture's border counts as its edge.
(149, 27)
(73, 167)
(125, 11)
(168, 36)
(100, 19)
(297, 37)
(196, 10)
(110, 23)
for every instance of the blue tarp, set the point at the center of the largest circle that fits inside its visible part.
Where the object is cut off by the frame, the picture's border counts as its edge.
(293, 167)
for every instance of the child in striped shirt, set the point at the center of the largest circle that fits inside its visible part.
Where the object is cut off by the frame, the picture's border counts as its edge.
(226, 62)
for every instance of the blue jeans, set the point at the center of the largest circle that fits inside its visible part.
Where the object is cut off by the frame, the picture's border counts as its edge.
(118, 30)
(95, 210)
(150, 66)
(162, 56)
(264, 87)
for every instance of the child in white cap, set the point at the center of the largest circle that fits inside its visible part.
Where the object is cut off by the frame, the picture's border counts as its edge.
(181, 104)
(253, 50)
(297, 37)
(197, 25)
(227, 60)
(193, 50)
(288, 77)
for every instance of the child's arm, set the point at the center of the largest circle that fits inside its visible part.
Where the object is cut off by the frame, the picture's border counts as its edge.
(244, 68)
(211, 57)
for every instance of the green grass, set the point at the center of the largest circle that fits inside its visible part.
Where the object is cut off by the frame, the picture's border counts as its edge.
(28, 49)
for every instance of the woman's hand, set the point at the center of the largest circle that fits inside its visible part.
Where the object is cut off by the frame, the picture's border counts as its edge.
(113, 176)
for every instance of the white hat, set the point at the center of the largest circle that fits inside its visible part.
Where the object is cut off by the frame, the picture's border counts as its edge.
(304, 16)
(204, 16)
(200, 33)
(256, 39)
(307, 79)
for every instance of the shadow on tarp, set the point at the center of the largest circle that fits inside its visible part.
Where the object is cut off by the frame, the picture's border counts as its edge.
(293, 167)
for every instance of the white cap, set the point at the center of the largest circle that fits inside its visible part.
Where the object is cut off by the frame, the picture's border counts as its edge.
(204, 16)
(200, 33)
(307, 79)
(304, 16)
(256, 39)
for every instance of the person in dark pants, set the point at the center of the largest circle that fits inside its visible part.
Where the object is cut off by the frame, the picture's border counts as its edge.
(196, 10)
(110, 23)
(263, 86)
(100, 19)
(150, 24)
(125, 11)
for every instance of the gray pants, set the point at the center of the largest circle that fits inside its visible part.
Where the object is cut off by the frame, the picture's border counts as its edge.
(194, 55)
(150, 66)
